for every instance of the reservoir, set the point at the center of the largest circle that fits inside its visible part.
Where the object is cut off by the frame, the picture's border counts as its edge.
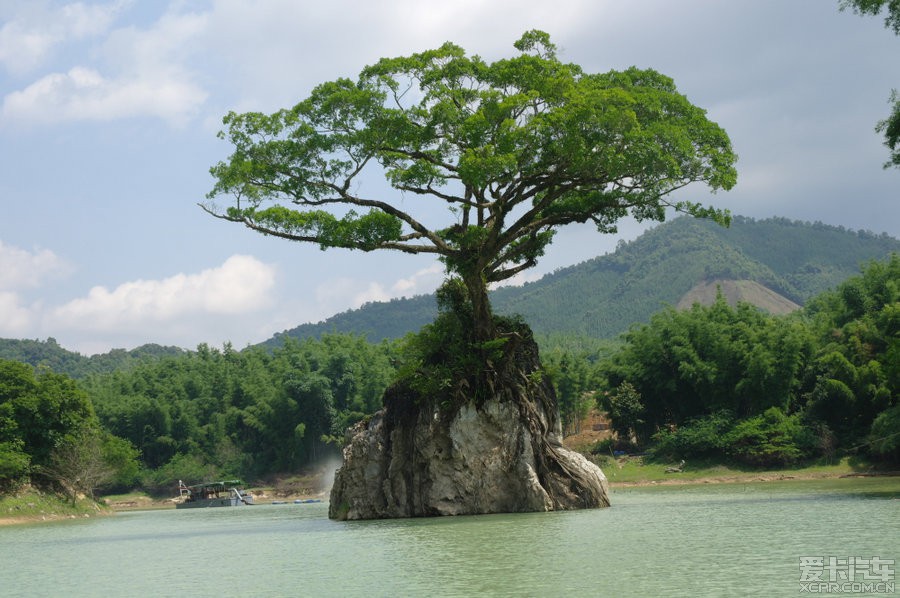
(694, 540)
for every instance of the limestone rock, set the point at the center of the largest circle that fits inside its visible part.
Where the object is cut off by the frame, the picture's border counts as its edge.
(418, 457)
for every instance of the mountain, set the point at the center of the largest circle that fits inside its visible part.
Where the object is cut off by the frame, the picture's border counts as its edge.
(49, 354)
(738, 291)
(775, 263)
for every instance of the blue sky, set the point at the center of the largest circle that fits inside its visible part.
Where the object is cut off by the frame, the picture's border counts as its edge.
(109, 112)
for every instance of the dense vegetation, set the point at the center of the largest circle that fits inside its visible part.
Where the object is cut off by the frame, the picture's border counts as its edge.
(602, 297)
(50, 435)
(766, 390)
(247, 413)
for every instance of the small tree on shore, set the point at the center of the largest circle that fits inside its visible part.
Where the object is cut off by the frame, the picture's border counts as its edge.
(81, 464)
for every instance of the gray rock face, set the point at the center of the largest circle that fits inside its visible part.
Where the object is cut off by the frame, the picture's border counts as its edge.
(500, 456)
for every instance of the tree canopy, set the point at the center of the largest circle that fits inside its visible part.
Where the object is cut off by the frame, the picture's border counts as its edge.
(512, 150)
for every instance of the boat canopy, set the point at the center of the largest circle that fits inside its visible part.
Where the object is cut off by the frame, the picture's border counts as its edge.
(220, 485)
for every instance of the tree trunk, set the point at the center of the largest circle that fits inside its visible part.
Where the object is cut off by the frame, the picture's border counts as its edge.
(482, 316)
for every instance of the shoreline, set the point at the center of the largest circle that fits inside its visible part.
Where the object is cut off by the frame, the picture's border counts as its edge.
(48, 518)
(750, 477)
(715, 480)
(767, 477)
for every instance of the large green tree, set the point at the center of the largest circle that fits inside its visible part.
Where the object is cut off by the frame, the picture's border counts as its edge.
(890, 126)
(510, 151)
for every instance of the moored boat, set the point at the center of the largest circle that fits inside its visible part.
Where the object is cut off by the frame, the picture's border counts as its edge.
(228, 493)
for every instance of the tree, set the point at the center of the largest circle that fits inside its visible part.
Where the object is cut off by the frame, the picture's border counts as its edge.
(513, 149)
(89, 460)
(856, 374)
(891, 125)
(570, 376)
(626, 412)
(38, 412)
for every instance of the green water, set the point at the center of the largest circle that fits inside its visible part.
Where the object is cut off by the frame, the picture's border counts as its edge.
(714, 540)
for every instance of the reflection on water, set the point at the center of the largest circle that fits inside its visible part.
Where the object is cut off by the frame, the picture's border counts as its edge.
(714, 540)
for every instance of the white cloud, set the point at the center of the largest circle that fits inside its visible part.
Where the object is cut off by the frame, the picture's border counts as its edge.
(148, 78)
(84, 94)
(337, 294)
(241, 285)
(15, 319)
(31, 35)
(422, 281)
(371, 293)
(20, 269)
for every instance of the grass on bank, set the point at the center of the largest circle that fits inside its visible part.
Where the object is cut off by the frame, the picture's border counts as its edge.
(31, 504)
(639, 470)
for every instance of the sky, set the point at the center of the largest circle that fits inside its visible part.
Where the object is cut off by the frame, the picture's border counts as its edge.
(109, 112)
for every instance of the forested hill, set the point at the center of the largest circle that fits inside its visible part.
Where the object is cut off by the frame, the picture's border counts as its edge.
(50, 355)
(603, 296)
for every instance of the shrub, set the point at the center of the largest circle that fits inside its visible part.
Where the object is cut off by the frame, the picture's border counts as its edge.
(771, 439)
(885, 436)
(445, 361)
(700, 437)
(626, 412)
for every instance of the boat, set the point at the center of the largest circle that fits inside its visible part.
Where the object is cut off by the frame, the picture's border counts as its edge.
(227, 493)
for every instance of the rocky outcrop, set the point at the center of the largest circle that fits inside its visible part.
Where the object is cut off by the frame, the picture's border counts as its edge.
(421, 456)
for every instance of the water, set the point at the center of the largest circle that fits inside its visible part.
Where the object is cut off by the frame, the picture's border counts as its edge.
(713, 540)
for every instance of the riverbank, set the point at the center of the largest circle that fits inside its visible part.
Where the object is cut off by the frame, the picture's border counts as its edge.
(29, 505)
(636, 471)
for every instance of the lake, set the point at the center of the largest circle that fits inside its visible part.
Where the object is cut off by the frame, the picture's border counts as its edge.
(696, 540)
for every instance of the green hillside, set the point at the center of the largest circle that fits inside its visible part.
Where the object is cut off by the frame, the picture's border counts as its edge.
(603, 296)
(375, 321)
(62, 361)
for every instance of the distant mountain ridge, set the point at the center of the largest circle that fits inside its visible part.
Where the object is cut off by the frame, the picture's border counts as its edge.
(774, 263)
(50, 355)
(603, 296)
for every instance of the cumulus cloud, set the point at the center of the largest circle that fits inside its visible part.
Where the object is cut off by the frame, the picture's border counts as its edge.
(22, 269)
(353, 293)
(147, 77)
(15, 319)
(84, 94)
(422, 281)
(241, 285)
(33, 31)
